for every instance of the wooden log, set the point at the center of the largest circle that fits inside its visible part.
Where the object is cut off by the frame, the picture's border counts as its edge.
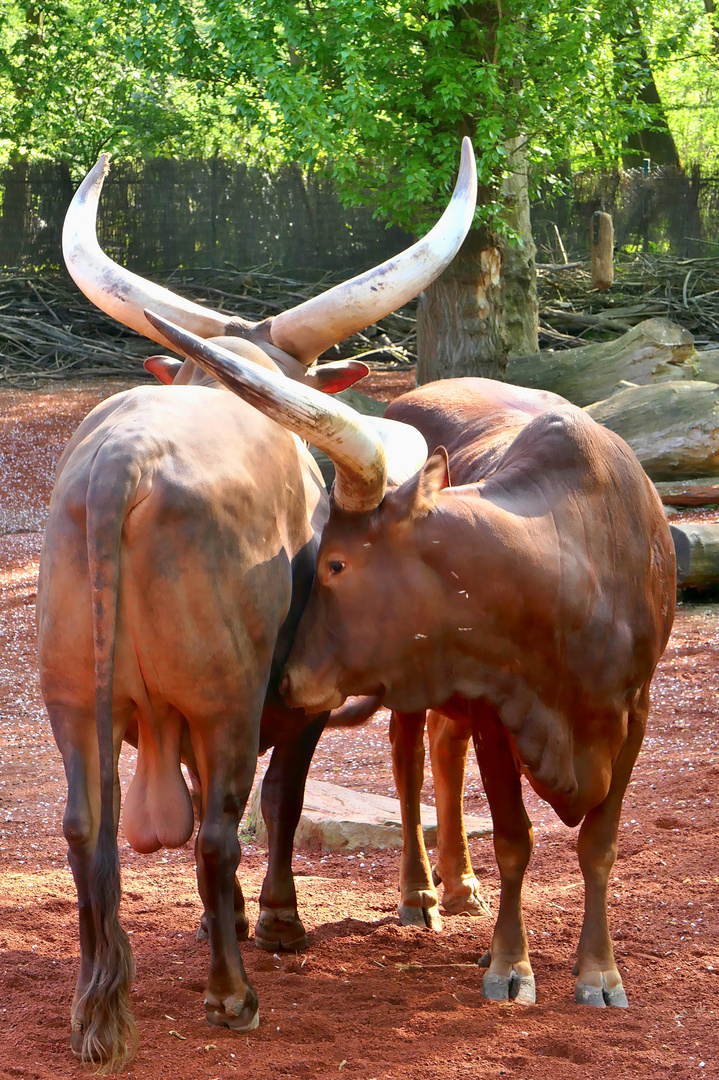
(655, 350)
(672, 427)
(697, 550)
(699, 491)
(602, 251)
(706, 365)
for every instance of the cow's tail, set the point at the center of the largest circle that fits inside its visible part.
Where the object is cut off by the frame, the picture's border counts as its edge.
(103, 1013)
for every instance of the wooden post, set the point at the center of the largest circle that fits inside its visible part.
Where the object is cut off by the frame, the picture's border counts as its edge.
(602, 247)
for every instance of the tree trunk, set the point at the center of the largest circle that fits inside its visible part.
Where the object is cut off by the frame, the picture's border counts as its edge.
(652, 351)
(483, 308)
(521, 306)
(655, 142)
(672, 427)
(460, 327)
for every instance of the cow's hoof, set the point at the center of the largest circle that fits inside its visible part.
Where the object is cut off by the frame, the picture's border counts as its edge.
(514, 987)
(100, 1051)
(242, 927)
(76, 1039)
(467, 900)
(280, 931)
(602, 996)
(426, 916)
(238, 1013)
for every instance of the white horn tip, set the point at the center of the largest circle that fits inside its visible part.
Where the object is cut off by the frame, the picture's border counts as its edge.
(467, 178)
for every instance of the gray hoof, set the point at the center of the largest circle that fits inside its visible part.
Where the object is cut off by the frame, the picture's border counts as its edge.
(600, 997)
(470, 904)
(516, 987)
(409, 915)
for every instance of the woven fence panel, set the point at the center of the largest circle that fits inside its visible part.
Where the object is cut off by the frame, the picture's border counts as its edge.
(161, 214)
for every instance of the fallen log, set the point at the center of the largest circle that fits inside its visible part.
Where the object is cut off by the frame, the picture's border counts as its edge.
(706, 365)
(672, 427)
(655, 350)
(697, 550)
(699, 491)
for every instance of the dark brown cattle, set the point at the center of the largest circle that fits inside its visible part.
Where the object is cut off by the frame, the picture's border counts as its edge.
(528, 604)
(179, 553)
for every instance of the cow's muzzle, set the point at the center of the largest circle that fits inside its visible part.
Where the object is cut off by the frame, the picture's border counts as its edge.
(300, 689)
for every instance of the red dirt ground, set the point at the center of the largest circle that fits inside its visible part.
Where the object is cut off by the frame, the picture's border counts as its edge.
(370, 999)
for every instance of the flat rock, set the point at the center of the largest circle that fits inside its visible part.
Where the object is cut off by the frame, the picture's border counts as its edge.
(337, 818)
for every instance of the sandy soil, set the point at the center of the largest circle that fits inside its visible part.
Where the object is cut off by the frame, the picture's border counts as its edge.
(370, 999)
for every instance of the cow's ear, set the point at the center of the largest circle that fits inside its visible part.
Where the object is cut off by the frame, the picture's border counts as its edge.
(418, 495)
(336, 376)
(164, 368)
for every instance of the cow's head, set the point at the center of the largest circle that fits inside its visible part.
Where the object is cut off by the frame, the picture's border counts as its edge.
(374, 611)
(288, 343)
(359, 447)
(384, 486)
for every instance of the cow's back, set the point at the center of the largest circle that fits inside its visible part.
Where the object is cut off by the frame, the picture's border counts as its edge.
(474, 419)
(217, 522)
(531, 468)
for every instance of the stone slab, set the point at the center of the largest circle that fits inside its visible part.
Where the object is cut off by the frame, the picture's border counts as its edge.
(336, 818)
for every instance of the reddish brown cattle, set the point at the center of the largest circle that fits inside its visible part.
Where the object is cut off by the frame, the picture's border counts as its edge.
(528, 604)
(178, 555)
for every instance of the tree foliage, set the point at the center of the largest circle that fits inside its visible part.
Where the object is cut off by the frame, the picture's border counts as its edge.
(382, 89)
(81, 76)
(378, 92)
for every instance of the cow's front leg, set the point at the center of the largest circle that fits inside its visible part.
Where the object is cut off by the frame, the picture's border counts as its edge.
(419, 904)
(510, 974)
(283, 790)
(598, 980)
(448, 742)
(230, 1000)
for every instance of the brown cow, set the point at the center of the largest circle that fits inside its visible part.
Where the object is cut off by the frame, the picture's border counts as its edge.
(529, 605)
(179, 552)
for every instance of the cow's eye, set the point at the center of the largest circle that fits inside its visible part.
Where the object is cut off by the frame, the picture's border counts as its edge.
(336, 567)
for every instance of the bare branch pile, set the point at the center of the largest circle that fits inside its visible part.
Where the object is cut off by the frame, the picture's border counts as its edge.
(48, 330)
(572, 312)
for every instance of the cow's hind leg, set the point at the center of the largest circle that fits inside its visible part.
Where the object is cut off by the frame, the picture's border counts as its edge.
(598, 980)
(103, 1009)
(242, 923)
(448, 742)
(283, 789)
(226, 779)
(510, 974)
(419, 903)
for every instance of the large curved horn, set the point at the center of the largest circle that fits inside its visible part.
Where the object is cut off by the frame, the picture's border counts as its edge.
(308, 329)
(117, 291)
(355, 446)
(302, 332)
